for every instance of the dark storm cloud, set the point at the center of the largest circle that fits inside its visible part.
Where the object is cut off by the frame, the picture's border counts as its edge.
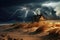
(8, 9)
(20, 2)
(49, 9)
(17, 2)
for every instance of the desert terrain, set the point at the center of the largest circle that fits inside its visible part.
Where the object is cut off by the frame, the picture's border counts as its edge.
(42, 30)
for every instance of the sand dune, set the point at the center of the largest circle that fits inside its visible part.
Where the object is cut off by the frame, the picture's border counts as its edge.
(42, 30)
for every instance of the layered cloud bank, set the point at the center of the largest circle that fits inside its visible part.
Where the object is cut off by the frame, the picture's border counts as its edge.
(49, 9)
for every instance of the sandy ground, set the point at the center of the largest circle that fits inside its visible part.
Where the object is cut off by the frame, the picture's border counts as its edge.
(30, 31)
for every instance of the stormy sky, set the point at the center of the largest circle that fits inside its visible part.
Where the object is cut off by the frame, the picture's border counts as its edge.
(23, 10)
